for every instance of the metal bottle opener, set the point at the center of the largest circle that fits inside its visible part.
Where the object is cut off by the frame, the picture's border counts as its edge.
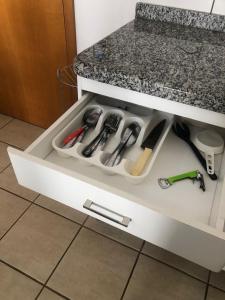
(165, 183)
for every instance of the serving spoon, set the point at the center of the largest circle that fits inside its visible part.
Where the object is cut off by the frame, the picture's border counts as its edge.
(90, 120)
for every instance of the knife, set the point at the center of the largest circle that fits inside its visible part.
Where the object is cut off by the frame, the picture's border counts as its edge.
(148, 146)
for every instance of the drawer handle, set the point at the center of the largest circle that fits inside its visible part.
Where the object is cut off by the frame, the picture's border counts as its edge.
(112, 216)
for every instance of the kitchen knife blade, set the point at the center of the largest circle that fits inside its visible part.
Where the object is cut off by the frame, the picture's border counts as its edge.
(148, 146)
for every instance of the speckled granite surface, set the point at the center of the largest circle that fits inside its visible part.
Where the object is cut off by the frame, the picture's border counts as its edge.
(165, 59)
(180, 16)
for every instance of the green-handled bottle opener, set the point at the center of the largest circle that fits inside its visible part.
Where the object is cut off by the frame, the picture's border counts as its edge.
(193, 175)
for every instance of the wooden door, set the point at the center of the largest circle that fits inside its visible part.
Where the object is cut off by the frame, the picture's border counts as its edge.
(37, 37)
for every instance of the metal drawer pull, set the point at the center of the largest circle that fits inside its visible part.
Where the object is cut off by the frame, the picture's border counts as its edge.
(113, 216)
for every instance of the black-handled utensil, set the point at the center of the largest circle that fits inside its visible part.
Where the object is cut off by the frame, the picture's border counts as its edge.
(110, 126)
(183, 132)
(128, 139)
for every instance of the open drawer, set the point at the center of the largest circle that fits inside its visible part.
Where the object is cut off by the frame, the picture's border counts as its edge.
(181, 219)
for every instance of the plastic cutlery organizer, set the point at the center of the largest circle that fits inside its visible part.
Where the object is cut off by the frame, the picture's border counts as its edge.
(146, 118)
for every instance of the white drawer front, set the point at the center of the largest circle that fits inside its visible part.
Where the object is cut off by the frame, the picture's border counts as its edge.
(197, 242)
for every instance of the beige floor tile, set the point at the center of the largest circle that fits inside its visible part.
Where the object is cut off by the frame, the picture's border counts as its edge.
(37, 241)
(4, 120)
(9, 182)
(11, 207)
(19, 133)
(16, 286)
(176, 261)
(4, 158)
(61, 209)
(114, 233)
(46, 294)
(93, 268)
(218, 279)
(152, 280)
(214, 294)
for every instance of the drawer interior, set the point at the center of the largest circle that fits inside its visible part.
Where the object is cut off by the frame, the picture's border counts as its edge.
(183, 200)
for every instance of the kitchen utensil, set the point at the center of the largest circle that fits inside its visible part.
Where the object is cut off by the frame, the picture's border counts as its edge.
(183, 132)
(90, 119)
(165, 183)
(110, 126)
(211, 143)
(148, 146)
(128, 139)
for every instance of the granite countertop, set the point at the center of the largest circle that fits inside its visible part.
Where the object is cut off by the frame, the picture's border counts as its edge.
(170, 53)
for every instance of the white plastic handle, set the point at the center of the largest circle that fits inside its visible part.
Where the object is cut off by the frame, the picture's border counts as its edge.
(210, 163)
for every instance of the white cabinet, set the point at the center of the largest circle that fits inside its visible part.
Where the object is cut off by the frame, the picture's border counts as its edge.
(182, 219)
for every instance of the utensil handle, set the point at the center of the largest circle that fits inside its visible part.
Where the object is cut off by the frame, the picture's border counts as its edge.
(210, 162)
(141, 162)
(73, 135)
(202, 160)
(89, 149)
(115, 156)
(188, 175)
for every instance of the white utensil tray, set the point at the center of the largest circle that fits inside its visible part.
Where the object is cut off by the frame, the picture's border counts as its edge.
(147, 120)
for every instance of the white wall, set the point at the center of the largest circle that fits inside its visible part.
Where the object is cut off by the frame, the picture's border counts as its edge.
(219, 7)
(95, 19)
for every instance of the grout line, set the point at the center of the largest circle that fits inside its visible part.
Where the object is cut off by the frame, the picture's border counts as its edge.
(46, 282)
(132, 271)
(170, 266)
(21, 197)
(83, 226)
(108, 237)
(16, 221)
(7, 122)
(11, 145)
(13, 118)
(207, 286)
(212, 7)
(5, 168)
(37, 204)
(85, 220)
(61, 295)
(58, 214)
(20, 271)
(30, 277)
(147, 255)
(112, 239)
(215, 287)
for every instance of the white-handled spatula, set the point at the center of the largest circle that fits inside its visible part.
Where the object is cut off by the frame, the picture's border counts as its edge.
(148, 146)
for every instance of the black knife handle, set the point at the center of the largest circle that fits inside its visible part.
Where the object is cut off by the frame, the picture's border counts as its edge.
(201, 159)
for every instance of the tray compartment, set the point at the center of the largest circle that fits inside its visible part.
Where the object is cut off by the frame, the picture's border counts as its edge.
(147, 119)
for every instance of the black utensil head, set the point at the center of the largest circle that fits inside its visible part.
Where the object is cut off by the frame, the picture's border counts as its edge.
(135, 127)
(153, 137)
(112, 122)
(182, 131)
(91, 116)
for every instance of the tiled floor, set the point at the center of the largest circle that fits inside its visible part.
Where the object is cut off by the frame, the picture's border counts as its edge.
(51, 252)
